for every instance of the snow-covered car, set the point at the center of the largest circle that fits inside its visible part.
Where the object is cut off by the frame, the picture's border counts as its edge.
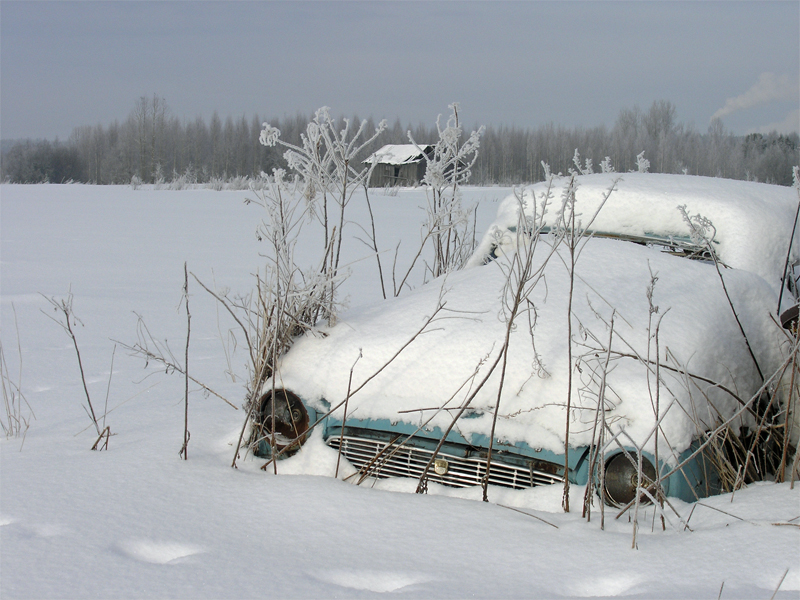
(662, 331)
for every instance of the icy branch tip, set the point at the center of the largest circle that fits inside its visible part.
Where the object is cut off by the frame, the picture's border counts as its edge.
(269, 135)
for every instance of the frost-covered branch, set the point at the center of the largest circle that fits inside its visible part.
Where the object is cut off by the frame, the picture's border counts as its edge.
(447, 227)
(327, 162)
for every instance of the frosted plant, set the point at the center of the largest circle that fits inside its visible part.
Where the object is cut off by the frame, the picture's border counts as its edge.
(701, 229)
(448, 226)
(291, 300)
(327, 163)
(158, 177)
(573, 233)
(587, 169)
(269, 135)
(18, 412)
(606, 166)
(576, 160)
(642, 163)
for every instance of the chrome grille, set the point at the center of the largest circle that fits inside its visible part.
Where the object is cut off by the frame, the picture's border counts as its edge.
(377, 459)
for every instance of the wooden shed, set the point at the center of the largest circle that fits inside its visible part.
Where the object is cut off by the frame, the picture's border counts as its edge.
(398, 165)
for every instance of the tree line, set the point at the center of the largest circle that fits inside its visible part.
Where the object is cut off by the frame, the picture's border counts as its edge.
(154, 146)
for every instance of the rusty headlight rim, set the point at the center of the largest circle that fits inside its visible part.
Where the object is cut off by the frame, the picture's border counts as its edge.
(291, 420)
(621, 477)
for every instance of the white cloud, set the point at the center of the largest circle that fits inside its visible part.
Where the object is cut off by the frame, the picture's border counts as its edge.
(768, 88)
(791, 124)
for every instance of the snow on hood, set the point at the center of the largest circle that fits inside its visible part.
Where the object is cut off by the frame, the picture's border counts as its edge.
(753, 221)
(697, 333)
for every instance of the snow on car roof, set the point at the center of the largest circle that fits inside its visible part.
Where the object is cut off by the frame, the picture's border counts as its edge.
(753, 221)
(398, 154)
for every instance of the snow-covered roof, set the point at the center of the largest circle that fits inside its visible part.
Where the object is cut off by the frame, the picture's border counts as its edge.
(398, 154)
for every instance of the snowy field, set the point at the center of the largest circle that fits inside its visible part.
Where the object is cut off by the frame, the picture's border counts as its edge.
(136, 521)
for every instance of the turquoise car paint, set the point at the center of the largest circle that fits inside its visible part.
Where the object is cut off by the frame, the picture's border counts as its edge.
(455, 442)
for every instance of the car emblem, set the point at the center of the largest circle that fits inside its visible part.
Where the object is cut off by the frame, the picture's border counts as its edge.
(441, 466)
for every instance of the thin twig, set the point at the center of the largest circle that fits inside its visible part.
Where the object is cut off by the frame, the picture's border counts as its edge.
(344, 416)
(173, 366)
(108, 388)
(789, 250)
(185, 448)
(230, 310)
(780, 583)
(65, 306)
(528, 515)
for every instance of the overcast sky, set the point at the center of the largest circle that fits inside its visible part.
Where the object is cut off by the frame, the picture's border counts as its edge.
(66, 64)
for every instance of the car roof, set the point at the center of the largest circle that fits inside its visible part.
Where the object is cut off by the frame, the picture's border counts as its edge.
(752, 222)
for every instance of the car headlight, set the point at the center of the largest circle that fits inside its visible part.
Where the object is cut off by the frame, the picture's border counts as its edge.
(621, 479)
(283, 414)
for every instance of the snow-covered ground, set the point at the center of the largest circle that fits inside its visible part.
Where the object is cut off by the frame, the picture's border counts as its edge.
(135, 521)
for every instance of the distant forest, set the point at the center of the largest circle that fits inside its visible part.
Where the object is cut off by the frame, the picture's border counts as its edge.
(153, 146)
